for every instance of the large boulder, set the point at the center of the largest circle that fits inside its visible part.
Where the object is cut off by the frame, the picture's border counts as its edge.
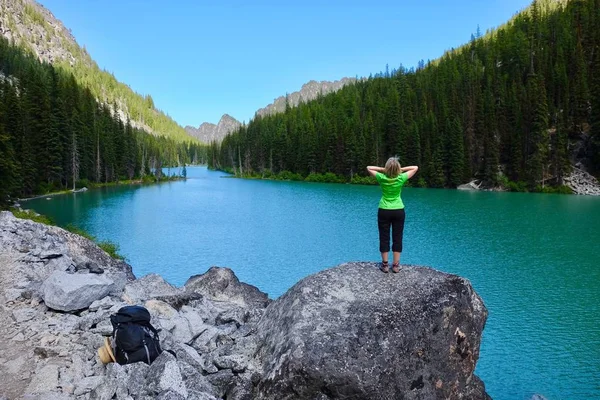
(221, 284)
(354, 332)
(148, 287)
(71, 292)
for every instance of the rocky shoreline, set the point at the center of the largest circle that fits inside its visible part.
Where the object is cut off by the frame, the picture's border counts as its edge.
(346, 332)
(582, 182)
(579, 181)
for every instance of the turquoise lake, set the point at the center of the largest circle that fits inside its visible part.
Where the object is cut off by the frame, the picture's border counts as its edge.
(533, 258)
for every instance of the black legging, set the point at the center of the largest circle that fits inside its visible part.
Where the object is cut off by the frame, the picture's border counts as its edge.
(395, 218)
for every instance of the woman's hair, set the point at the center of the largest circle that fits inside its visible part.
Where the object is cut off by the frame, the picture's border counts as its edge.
(392, 167)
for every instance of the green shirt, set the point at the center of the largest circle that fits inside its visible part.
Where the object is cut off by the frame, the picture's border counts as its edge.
(391, 188)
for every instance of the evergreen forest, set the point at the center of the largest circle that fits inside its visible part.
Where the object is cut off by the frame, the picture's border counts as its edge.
(516, 106)
(55, 135)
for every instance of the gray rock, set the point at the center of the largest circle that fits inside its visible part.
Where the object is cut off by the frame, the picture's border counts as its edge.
(70, 292)
(44, 380)
(103, 304)
(228, 329)
(347, 330)
(87, 384)
(171, 395)
(24, 314)
(90, 266)
(537, 397)
(50, 396)
(103, 328)
(181, 299)
(48, 254)
(237, 314)
(194, 381)
(12, 294)
(160, 309)
(187, 354)
(164, 375)
(221, 284)
(240, 389)
(135, 385)
(235, 362)
(221, 381)
(148, 287)
(243, 331)
(45, 352)
(194, 395)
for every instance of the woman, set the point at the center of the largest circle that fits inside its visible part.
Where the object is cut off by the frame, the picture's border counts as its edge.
(391, 209)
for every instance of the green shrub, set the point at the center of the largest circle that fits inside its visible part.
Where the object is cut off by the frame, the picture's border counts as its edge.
(267, 174)
(33, 216)
(363, 180)
(562, 189)
(111, 248)
(511, 186)
(148, 179)
(82, 183)
(78, 231)
(46, 187)
(289, 176)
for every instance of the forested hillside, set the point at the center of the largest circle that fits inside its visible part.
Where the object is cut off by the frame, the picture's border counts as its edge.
(520, 103)
(34, 28)
(54, 134)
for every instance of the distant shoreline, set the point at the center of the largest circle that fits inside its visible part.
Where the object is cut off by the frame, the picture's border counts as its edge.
(101, 185)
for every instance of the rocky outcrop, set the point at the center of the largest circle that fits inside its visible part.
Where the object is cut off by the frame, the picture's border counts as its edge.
(582, 182)
(309, 91)
(347, 332)
(222, 285)
(71, 292)
(208, 133)
(352, 332)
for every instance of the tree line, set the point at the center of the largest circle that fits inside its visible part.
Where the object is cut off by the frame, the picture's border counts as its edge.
(506, 106)
(55, 135)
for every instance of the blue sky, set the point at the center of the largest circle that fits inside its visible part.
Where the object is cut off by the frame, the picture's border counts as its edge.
(201, 59)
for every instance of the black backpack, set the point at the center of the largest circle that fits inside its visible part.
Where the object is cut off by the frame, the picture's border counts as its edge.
(134, 338)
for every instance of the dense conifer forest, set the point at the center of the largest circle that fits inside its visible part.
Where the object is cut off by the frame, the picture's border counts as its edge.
(511, 107)
(55, 135)
(36, 30)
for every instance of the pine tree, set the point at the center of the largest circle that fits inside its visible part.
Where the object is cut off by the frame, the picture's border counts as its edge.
(595, 110)
(455, 152)
(537, 162)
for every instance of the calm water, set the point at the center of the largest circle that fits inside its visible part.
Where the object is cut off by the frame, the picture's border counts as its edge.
(533, 258)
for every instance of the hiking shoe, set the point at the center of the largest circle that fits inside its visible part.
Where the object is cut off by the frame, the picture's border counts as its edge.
(384, 267)
(395, 268)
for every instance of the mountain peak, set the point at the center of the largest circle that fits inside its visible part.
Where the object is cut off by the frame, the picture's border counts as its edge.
(309, 91)
(208, 132)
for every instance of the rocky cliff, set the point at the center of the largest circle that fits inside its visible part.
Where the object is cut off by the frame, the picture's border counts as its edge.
(208, 132)
(309, 91)
(346, 332)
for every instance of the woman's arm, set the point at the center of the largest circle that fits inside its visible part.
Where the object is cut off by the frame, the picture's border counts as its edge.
(410, 171)
(373, 170)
